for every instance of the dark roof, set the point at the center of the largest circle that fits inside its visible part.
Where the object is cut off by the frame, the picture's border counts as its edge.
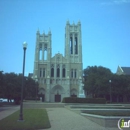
(126, 70)
(30, 75)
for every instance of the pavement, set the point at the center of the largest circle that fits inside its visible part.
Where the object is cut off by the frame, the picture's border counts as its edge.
(7, 110)
(64, 119)
(61, 119)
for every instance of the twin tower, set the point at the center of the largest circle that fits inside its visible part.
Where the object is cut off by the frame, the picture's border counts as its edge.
(61, 75)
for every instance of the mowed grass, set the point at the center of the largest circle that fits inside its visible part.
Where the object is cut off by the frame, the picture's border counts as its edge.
(33, 119)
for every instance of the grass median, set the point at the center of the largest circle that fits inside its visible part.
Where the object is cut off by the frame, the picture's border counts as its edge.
(33, 119)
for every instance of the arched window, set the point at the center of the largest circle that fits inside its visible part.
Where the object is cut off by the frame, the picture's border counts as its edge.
(58, 71)
(44, 72)
(63, 71)
(45, 52)
(75, 73)
(40, 72)
(71, 73)
(40, 52)
(52, 72)
(76, 45)
(71, 44)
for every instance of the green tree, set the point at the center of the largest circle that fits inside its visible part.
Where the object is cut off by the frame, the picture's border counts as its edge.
(120, 87)
(97, 83)
(97, 80)
(31, 88)
(10, 86)
(1, 83)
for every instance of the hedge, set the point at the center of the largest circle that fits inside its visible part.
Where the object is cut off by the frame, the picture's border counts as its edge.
(84, 100)
(32, 98)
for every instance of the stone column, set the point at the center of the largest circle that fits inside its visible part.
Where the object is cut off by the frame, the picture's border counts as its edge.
(35, 71)
(48, 89)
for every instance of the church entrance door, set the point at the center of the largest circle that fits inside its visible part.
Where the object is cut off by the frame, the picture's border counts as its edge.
(57, 98)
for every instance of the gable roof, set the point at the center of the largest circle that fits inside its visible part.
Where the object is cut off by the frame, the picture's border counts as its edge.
(126, 70)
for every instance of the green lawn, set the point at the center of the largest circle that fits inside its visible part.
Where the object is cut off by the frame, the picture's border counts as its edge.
(33, 119)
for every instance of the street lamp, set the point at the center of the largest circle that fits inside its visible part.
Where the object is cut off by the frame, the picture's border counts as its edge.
(36, 80)
(21, 104)
(110, 91)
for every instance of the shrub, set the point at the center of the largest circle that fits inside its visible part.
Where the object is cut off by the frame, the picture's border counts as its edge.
(32, 98)
(84, 100)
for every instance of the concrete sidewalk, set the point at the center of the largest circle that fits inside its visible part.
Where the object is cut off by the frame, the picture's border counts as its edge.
(6, 111)
(64, 119)
(61, 119)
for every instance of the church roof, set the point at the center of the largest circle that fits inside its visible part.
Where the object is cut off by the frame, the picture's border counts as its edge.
(30, 75)
(126, 70)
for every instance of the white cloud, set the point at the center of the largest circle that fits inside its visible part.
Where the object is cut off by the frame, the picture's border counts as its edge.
(106, 3)
(121, 1)
(115, 2)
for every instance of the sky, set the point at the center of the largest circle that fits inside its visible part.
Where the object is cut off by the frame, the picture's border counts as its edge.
(105, 26)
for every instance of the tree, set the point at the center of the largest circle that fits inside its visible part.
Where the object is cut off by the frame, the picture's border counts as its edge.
(1, 83)
(97, 80)
(97, 84)
(120, 87)
(10, 86)
(30, 88)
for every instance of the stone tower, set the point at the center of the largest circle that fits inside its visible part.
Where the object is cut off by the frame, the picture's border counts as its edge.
(59, 76)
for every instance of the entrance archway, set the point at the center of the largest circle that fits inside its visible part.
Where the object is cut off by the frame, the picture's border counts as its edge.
(57, 93)
(57, 97)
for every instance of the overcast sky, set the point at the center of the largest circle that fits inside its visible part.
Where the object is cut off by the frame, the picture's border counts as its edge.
(105, 30)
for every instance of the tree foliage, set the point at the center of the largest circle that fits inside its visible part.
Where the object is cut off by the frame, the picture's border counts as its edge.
(11, 83)
(121, 84)
(97, 82)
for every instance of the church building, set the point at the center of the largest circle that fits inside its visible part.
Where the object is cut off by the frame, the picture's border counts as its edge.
(60, 75)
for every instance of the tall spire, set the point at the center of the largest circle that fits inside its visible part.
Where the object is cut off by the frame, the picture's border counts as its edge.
(38, 31)
(49, 31)
(79, 22)
(67, 22)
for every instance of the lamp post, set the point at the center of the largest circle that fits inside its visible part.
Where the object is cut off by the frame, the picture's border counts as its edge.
(110, 91)
(21, 104)
(36, 80)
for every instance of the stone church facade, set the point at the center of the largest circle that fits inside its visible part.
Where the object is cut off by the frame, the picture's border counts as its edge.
(59, 76)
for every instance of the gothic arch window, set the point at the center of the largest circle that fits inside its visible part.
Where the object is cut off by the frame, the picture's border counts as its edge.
(76, 44)
(44, 72)
(71, 73)
(58, 70)
(40, 51)
(45, 52)
(63, 71)
(52, 71)
(75, 73)
(40, 72)
(71, 44)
